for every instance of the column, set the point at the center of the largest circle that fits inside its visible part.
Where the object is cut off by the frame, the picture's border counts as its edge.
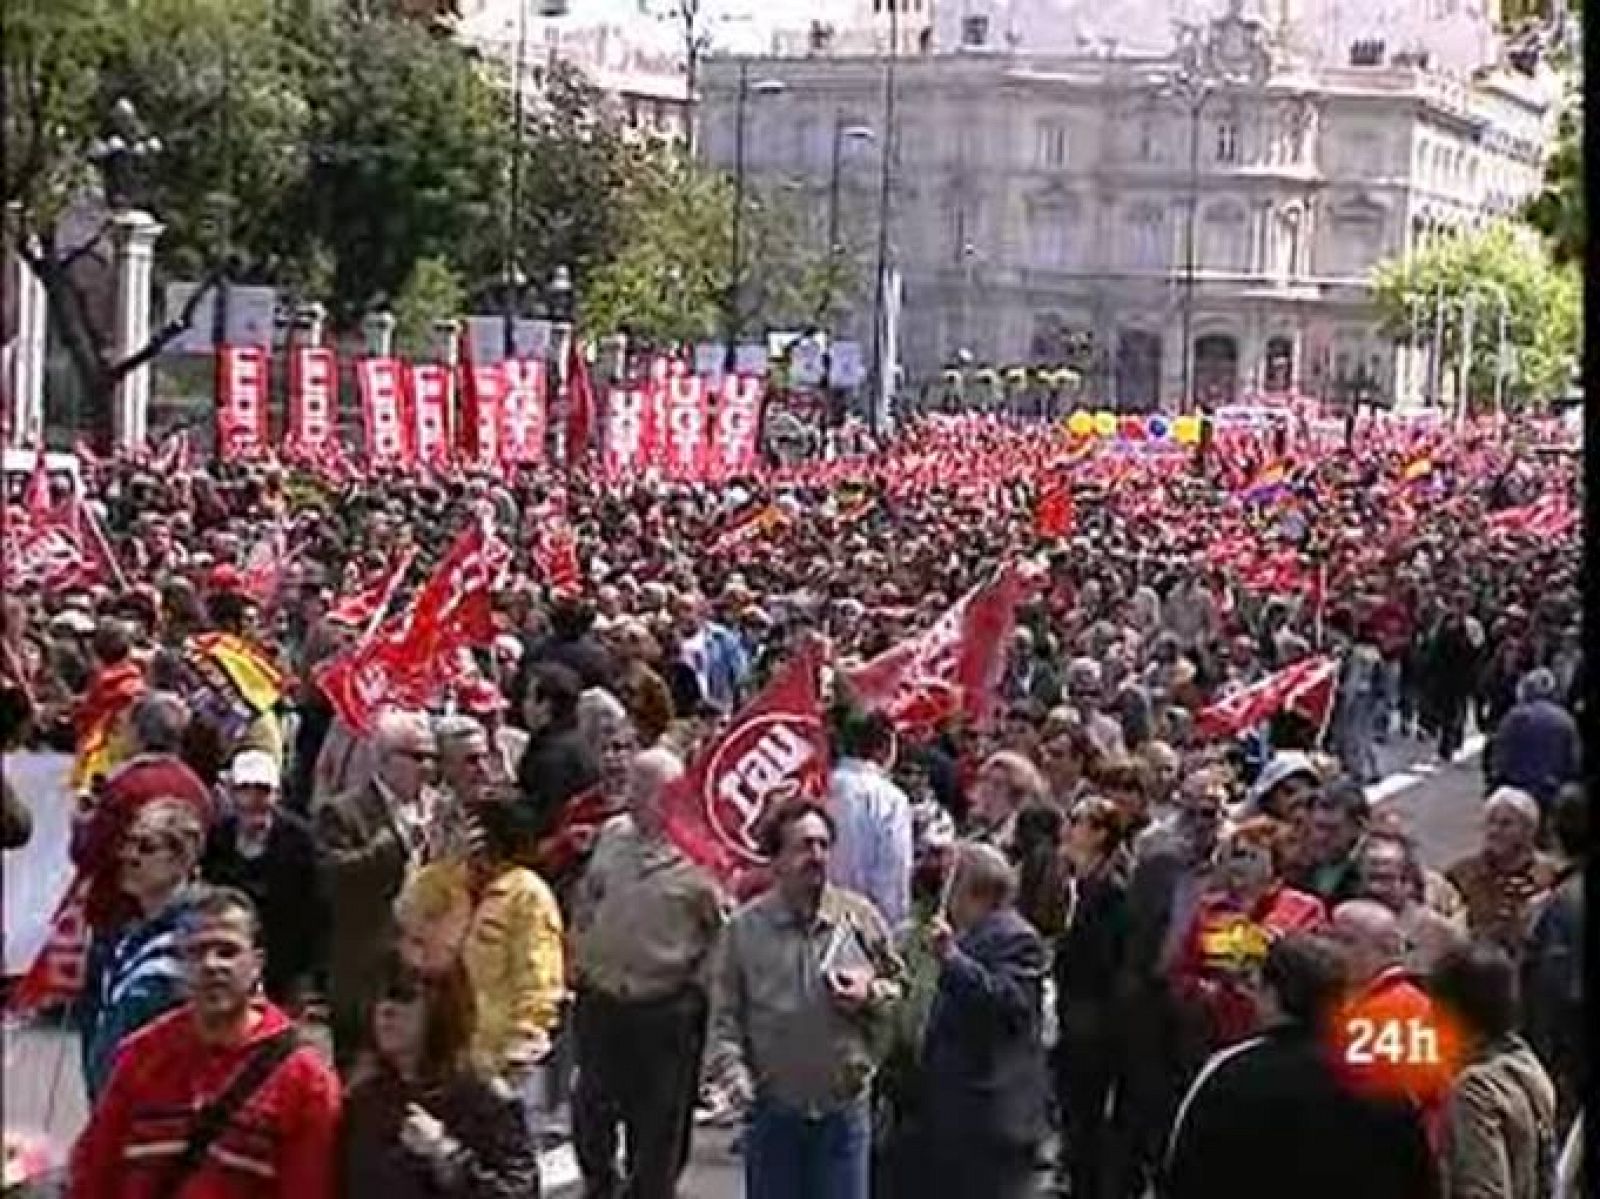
(379, 331)
(24, 382)
(134, 235)
(309, 322)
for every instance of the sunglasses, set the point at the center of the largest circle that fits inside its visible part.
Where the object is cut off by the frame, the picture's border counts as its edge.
(148, 845)
(402, 991)
(418, 755)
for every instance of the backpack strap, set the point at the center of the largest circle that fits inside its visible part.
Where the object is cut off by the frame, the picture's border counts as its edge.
(213, 1118)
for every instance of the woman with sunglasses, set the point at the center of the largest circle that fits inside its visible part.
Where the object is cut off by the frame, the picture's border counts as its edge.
(1088, 962)
(420, 1121)
(135, 973)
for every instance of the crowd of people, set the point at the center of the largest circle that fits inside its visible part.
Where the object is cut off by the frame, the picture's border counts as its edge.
(1084, 944)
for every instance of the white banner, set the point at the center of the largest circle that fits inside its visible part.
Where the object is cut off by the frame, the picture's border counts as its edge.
(37, 875)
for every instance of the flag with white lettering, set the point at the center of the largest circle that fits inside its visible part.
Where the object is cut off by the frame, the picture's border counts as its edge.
(682, 408)
(313, 400)
(241, 401)
(432, 392)
(522, 411)
(482, 395)
(775, 749)
(383, 411)
(629, 432)
(736, 430)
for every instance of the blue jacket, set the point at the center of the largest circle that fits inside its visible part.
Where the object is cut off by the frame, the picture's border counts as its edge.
(131, 978)
(1535, 750)
(983, 1059)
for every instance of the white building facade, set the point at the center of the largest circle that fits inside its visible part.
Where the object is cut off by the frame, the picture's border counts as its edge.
(1042, 200)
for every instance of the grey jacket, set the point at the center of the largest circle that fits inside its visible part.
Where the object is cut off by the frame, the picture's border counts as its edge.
(1499, 1127)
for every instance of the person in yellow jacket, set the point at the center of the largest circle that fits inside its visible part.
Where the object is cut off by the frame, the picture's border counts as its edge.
(502, 920)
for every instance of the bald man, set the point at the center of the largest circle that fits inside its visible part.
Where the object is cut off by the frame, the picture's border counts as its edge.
(1382, 990)
(369, 840)
(646, 921)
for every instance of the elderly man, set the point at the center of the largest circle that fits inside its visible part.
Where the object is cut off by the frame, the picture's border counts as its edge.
(806, 978)
(369, 841)
(1498, 884)
(1536, 746)
(646, 921)
(982, 1057)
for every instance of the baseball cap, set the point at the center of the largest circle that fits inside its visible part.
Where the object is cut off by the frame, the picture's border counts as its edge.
(254, 768)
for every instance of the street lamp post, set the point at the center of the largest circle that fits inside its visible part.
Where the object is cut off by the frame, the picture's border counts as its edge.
(510, 270)
(732, 315)
(1500, 351)
(1196, 99)
(558, 303)
(1469, 313)
(878, 393)
(841, 134)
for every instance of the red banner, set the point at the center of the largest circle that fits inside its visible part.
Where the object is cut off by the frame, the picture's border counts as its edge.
(241, 401)
(630, 432)
(772, 751)
(383, 411)
(949, 669)
(522, 412)
(432, 391)
(56, 975)
(736, 432)
(313, 399)
(1306, 687)
(681, 445)
(482, 397)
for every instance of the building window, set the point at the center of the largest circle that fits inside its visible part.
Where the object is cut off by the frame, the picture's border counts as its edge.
(975, 31)
(1052, 151)
(1228, 141)
(1146, 140)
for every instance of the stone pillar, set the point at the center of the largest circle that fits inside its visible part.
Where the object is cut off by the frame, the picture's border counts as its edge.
(134, 235)
(447, 342)
(309, 323)
(24, 381)
(379, 331)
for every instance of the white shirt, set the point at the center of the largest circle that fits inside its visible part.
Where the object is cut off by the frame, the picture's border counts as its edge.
(872, 850)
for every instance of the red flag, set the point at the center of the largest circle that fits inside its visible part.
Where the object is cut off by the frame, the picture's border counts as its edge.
(383, 411)
(630, 432)
(580, 403)
(950, 668)
(483, 391)
(313, 399)
(773, 750)
(56, 975)
(1053, 515)
(241, 401)
(432, 391)
(264, 566)
(684, 414)
(522, 411)
(1304, 681)
(407, 659)
(736, 431)
(1313, 695)
(556, 554)
(370, 603)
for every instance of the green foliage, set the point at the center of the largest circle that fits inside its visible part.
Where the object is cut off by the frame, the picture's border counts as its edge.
(668, 281)
(1558, 211)
(1543, 308)
(432, 293)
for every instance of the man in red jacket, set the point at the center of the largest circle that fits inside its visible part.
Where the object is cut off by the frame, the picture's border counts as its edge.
(181, 1074)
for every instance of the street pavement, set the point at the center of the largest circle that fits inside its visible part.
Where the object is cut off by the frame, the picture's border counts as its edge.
(43, 1091)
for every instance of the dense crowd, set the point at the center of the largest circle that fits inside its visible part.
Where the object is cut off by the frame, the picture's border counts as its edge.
(1088, 940)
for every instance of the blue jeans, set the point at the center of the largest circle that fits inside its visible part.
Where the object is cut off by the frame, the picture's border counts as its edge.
(789, 1155)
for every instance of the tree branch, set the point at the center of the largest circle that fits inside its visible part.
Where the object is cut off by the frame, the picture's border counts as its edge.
(168, 333)
(77, 252)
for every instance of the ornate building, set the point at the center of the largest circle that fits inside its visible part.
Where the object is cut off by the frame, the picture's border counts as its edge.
(1042, 200)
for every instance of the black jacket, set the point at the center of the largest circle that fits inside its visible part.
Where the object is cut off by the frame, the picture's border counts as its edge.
(496, 1160)
(1089, 953)
(1268, 1118)
(557, 765)
(285, 884)
(982, 1058)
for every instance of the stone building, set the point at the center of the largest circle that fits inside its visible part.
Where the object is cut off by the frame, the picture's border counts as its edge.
(1041, 199)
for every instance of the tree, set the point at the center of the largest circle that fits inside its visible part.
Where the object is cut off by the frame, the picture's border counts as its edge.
(1543, 308)
(668, 281)
(1558, 211)
(432, 293)
(110, 105)
(407, 157)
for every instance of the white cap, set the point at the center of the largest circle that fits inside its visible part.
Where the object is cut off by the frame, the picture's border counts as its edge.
(254, 768)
